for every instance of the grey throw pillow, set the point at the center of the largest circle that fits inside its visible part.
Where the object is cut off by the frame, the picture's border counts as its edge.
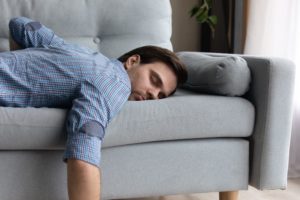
(223, 75)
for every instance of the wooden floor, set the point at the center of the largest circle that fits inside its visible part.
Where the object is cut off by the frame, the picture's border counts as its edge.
(291, 193)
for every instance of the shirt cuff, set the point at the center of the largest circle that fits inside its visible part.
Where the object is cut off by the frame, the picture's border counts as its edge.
(81, 146)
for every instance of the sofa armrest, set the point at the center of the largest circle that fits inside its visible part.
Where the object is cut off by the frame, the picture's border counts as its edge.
(271, 92)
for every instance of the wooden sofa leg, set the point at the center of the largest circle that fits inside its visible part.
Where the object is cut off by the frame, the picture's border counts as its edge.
(232, 195)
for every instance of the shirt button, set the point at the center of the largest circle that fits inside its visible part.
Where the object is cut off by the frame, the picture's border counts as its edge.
(96, 40)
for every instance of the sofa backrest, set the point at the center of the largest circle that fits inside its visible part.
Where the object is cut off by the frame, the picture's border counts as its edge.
(112, 27)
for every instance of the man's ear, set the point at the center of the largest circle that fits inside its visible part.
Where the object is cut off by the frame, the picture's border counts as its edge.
(132, 61)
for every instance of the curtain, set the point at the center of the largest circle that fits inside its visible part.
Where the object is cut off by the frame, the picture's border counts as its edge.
(271, 30)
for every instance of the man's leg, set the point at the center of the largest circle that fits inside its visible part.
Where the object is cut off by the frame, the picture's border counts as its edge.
(83, 180)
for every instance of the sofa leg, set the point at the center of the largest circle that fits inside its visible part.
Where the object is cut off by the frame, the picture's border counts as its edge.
(232, 195)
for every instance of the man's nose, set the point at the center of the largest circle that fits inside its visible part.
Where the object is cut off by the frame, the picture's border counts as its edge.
(153, 93)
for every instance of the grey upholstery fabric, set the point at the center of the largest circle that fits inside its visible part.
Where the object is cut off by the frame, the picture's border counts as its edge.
(139, 170)
(185, 115)
(33, 175)
(272, 95)
(228, 75)
(112, 27)
(151, 168)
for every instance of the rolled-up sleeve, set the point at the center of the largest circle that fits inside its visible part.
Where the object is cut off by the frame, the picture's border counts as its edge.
(98, 102)
(86, 124)
(29, 33)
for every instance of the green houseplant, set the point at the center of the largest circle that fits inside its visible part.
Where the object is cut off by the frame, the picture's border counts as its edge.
(202, 15)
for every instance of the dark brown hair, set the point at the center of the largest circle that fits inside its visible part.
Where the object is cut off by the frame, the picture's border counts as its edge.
(150, 54)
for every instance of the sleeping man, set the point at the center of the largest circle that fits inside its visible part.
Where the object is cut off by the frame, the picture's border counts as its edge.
(42, 70)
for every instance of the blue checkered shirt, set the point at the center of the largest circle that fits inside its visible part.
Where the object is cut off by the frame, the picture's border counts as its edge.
(50, 72)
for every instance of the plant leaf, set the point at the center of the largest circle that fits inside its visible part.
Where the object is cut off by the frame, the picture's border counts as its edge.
(201, 13)
(202, 17)
(194, 10)
(213, 19)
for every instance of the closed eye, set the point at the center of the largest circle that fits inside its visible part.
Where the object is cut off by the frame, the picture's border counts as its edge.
(157, 82)
(156, 79)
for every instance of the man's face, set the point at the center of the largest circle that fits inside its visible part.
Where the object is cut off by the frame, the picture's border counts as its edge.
(149, 81)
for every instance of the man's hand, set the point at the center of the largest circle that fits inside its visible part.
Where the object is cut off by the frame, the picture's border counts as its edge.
(13, 45)
(83, 180)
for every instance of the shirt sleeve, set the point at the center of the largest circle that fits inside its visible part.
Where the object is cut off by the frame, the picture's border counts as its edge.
(29, 33)
(86, 126)
(88, 118)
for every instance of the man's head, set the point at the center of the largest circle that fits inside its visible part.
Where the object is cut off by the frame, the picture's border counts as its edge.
(154, 72)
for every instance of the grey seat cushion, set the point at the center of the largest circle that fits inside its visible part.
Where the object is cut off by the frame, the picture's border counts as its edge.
(185, 115)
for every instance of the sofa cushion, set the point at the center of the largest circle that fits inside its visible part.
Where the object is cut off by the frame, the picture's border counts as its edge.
(223, 75)
(105, 26)
(185, 115)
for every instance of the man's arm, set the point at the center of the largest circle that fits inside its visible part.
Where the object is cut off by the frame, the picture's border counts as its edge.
(27, 33)
(83, 180)
(83, 155)
(85, 128)
(86, 123)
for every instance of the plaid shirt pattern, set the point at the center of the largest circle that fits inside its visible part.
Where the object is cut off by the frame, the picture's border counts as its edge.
(50, 72)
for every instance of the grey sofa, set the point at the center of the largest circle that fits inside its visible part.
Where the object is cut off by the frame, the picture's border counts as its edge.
(188, 143)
